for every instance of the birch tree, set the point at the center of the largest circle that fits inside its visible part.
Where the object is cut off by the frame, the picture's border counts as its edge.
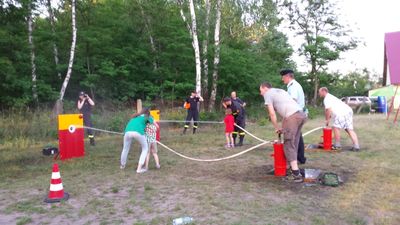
(53, 33)
(59, 105)
(195, 41)
(216, 56)
(205, 50)
(32, 52)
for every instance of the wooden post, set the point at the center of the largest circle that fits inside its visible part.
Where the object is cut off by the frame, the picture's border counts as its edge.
(138, 105)
(392, 104)
(397, 113)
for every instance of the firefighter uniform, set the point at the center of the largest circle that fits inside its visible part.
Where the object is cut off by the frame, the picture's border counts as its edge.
(86, 111)
(239, 114)
(192, 113)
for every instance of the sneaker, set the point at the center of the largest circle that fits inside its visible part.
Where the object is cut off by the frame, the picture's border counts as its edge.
(227, 146)
(240, 144)
(294, 178)
(336, 147)
(141, 171)
(232, 145)
(122, 167)
(355, 149)
(158, 166)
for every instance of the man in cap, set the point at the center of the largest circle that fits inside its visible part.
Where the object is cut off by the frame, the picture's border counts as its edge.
(278, 100)
(85, 104)
(296, 92)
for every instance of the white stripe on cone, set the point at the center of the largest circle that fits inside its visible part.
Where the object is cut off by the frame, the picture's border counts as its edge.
(56, 187)
(55, 175)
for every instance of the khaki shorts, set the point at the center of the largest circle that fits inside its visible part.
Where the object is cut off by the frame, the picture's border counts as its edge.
(291, 127)
(153, 147)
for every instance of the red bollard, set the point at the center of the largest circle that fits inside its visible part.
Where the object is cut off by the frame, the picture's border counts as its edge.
(279, 159)
(327, 135)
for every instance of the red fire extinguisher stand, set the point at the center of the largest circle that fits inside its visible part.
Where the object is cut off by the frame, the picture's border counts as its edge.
(279, 158)
(327, 136)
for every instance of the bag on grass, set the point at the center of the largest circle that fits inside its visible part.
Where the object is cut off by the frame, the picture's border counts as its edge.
(329, 179)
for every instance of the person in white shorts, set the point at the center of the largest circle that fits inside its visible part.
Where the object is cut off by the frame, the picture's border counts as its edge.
(342, 116)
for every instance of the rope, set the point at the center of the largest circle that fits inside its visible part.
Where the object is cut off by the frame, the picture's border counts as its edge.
(252, 135)
(263, 142)
(184, 121)
(97, 129)
(309, 132)
(214, 160)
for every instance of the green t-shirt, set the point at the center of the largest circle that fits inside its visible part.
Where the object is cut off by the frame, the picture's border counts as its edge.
(138, 124)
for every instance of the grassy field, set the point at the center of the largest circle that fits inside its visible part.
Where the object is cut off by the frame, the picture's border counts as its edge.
(237, 191)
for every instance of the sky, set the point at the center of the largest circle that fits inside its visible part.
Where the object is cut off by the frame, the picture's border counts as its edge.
(369, 20)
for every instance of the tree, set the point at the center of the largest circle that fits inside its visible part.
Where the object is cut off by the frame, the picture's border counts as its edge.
(324, 37)
(32, 50)
(53, 32)
(71, 60)
(205, 50)
(195, 40)
(216, 55)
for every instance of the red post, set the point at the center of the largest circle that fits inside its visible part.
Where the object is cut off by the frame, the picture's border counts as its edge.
(279, 159)
(327, 135)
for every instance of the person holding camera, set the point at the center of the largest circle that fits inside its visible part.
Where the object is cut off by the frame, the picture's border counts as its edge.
(85, 104)
(192, 110)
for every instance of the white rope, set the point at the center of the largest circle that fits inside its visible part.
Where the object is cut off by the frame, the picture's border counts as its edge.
(309, 132)
(263, 142)
(214, 160)
(184, 121)
(105, 131)
(252, 135)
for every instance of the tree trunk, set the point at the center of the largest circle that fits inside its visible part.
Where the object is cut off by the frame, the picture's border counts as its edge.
(72, 53)
(205, 52)
(195, 46)
(151, 39)
(216, 56)
(32, 48)
(316, 83)
(184, 19)
(53, 32)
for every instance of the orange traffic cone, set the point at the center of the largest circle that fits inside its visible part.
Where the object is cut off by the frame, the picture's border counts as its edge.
(56, 193)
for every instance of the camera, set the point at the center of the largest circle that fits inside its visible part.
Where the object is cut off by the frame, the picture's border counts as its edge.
(86, 96)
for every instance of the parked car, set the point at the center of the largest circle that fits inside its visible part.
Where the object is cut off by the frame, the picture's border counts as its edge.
(356, 101)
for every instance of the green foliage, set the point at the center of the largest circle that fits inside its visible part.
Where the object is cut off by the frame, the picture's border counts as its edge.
(141, 49)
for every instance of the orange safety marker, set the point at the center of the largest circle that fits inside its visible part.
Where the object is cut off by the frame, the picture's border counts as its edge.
(56, 193)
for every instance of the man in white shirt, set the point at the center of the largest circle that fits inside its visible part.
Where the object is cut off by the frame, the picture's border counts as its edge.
(342, 116)
(296, 92)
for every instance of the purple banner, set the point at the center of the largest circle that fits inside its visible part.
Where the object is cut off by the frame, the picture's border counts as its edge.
(392, 44)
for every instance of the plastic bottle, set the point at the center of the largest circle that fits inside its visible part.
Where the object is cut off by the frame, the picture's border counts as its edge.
(182, 220)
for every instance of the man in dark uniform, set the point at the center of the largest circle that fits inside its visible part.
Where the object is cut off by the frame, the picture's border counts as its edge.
(192, 110)
(85, 104)
(238, 113)
(239, 120)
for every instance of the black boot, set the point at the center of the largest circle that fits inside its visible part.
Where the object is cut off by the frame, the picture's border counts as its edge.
(91, 140)
(184, 130)
(241, 138)
(194, 130)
